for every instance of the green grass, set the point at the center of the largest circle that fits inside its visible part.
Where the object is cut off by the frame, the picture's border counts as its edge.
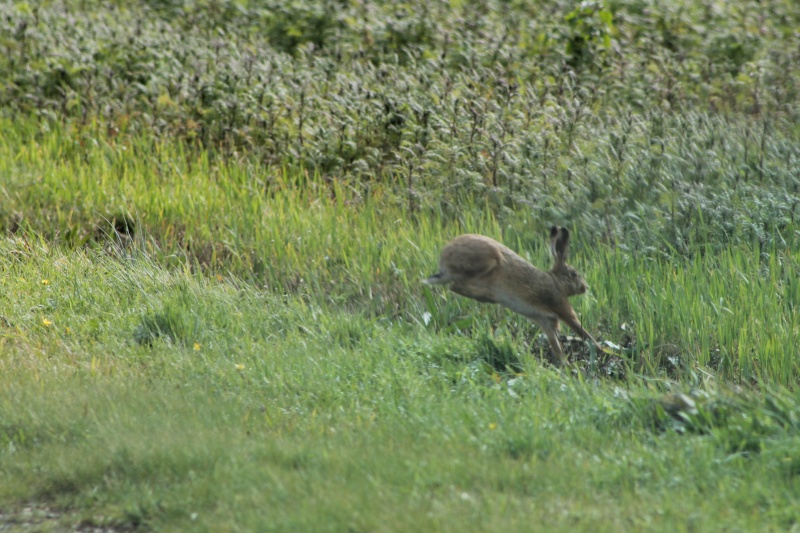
(253, 411)
(214, 220)
(728, 308)
(231, 360)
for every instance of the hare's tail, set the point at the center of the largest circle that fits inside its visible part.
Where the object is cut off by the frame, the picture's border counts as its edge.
(440, 278)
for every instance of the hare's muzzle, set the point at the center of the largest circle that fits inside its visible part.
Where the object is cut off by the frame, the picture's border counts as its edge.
(582, 286)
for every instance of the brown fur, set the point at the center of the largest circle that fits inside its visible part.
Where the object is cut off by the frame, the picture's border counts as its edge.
(481, 268)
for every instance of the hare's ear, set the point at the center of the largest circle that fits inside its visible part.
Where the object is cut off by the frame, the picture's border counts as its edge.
(554, 231)
(562, 245)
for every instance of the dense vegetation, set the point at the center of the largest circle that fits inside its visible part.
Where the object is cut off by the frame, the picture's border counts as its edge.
(640, 123)
(216, 214)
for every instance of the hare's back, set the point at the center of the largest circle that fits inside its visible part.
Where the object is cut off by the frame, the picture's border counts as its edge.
(470, 255)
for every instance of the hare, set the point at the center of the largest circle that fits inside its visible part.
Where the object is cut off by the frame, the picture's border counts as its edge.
(485, 270)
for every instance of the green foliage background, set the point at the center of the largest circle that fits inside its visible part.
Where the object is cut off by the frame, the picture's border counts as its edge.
(640, 122)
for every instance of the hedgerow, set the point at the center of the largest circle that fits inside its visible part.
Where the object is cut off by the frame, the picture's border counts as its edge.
(633, 119)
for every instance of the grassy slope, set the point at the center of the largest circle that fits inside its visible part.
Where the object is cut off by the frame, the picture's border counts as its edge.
(267, 412)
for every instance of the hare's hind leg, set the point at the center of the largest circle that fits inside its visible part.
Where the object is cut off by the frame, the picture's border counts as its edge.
(550, 327)
(475, 291)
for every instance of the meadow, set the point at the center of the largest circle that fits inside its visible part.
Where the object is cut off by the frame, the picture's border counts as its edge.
(215, 217)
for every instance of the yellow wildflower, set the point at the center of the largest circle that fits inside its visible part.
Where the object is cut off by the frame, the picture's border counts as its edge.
(197, 347)
(46, 322)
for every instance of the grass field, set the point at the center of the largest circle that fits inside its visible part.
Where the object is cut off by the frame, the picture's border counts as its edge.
(215, 218)
(246, 410)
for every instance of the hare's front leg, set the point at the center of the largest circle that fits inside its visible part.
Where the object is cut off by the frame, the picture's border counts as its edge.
(571, 319)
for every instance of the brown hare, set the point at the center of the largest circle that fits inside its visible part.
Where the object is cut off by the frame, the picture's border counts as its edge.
(485, 270)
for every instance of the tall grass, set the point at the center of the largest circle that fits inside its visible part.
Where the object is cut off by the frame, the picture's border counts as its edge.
(729, 309)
